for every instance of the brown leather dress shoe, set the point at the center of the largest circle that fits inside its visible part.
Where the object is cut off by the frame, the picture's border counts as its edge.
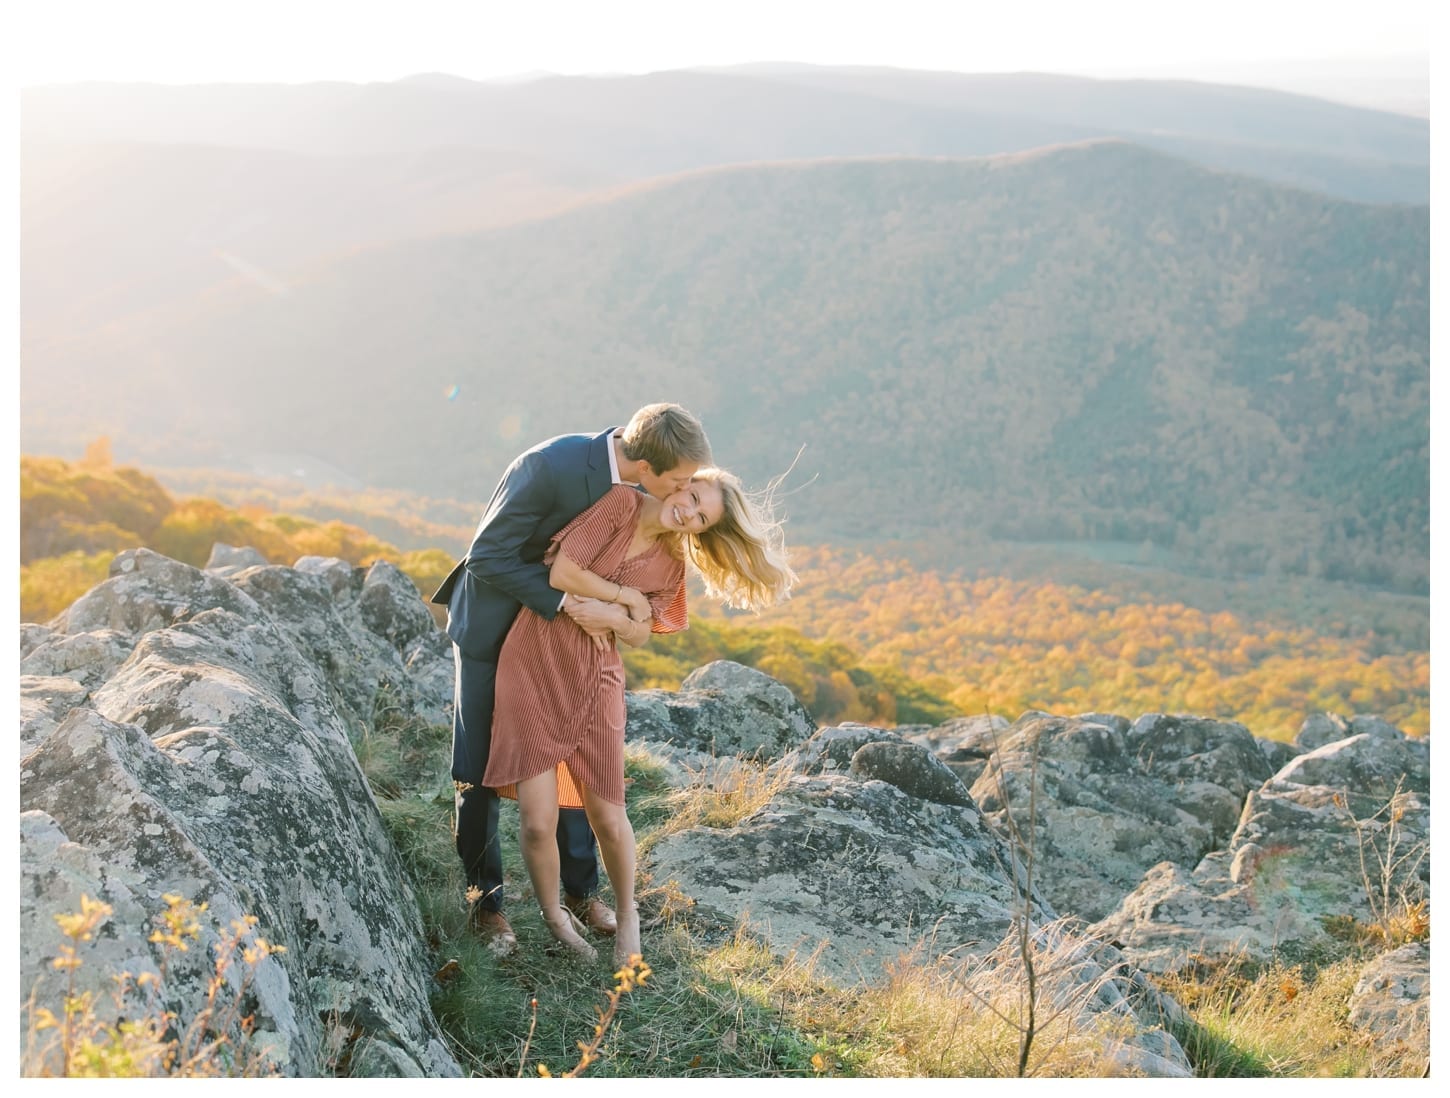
(592, 913)
(491, 928)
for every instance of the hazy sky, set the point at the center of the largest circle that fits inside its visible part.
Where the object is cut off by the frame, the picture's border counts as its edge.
(175, 41)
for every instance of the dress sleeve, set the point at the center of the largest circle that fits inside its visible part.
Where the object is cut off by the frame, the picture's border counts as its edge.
(671, 614)
(586, 536)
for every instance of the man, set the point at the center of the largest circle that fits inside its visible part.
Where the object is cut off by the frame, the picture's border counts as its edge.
(542, 490)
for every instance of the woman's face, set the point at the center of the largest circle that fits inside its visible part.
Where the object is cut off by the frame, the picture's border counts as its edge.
(694, 508)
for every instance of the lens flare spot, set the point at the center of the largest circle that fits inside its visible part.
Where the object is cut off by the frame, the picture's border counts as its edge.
(510, 426)
(451, 393)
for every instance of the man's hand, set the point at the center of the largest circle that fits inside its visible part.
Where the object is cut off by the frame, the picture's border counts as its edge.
(596, 618)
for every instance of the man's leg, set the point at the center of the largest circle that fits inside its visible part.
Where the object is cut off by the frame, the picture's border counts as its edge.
(578, 863)
(475, 829)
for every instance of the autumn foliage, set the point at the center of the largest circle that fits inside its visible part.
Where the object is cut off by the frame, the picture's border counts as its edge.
(989, 643)
(75, 517)
(869, 637)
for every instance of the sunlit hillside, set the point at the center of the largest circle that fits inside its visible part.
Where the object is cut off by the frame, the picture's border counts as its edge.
(872, 638)
(992, 644)
(76, 517)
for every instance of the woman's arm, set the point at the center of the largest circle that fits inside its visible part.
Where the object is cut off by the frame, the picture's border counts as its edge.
(635, 633)
(567, 576)
(616, 619)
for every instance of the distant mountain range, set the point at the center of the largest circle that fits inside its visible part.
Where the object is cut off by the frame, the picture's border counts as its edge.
(1091, 341)
(135, 196)
(633, 126)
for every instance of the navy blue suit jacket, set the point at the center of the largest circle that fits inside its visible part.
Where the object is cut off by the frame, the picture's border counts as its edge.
(539, 494)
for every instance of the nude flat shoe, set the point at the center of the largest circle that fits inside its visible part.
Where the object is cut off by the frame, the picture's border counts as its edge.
(569, 932)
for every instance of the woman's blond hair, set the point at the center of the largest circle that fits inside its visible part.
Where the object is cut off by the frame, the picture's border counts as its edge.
(742, 558)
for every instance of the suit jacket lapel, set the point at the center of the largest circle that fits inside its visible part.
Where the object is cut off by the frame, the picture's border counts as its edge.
(597, 479)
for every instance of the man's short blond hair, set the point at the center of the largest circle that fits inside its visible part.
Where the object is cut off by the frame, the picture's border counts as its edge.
(666, 436)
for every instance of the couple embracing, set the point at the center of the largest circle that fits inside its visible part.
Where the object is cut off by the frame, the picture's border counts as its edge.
(582, 548)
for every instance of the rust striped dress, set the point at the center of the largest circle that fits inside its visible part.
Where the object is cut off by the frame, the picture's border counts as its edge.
(558, 700)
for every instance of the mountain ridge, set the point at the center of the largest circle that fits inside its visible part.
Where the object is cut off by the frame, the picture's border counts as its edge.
(1027, 304)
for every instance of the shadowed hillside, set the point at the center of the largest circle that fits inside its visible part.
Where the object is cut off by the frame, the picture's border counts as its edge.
(1091, 342)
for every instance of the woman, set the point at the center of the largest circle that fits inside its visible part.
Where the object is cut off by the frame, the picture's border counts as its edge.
(560, 695)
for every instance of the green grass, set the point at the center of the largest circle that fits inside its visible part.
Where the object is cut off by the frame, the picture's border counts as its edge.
(688, 1020)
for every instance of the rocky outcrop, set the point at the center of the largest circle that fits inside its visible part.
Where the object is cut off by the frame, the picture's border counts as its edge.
(881, 755)
(965, 744)
(202, 749)
(868, 848)
(1302, 853)
(859, 865)
(723, 709)
(228, 560)
(1190, 839)
(1113, 799)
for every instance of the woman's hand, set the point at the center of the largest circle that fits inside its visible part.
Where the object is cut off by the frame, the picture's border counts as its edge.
(633, 600)
(597, 618)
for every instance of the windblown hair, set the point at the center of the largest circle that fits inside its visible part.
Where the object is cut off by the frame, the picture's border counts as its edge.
(742, 558)
(666, 436)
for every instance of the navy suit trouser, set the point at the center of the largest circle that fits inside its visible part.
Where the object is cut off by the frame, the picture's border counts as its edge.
(475, 823)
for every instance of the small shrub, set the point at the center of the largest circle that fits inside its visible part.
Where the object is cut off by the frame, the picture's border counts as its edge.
(147, 1039)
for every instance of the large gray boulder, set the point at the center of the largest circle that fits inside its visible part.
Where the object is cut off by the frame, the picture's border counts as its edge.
(860, 866)
(723, 708)
(228, 560)
(1372, 763)
(44, 702)
(364, 628)
(965, 744)
(1391, 998)
(830, 750)
(912, 769)
(1113, 799)
(880, 754)
(205, 752)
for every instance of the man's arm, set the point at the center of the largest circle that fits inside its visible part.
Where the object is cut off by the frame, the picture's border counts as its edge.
(520, 503)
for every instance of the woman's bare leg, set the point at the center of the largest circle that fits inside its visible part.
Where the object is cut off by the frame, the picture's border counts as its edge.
(538, 819)
(612, 828)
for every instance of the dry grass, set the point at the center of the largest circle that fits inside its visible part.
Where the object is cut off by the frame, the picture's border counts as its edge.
(937, 1018)
(1285, 1021)
(737, 795)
